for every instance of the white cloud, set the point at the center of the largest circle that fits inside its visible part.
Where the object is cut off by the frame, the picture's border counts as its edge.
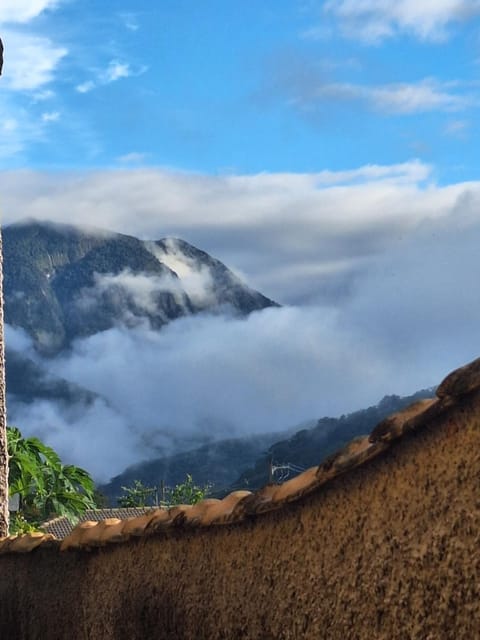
(18, 339)
(406, 172)
(427, 95)
(18, 128)
(85, 87)
(50, 116)
(194, 278)
(141, 289)
(376, 20)
(308, 86)
(256, 224)
(457, 129)
(75, 434)
(10, 125)
(31, 64)
(22, 11)
(395, 99)
(115, 70)
(30, 61)
(41, 96)
(134, 157)
(130, 21)
(210, 376)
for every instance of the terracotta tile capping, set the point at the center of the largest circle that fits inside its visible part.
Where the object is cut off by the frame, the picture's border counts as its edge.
(27, 542)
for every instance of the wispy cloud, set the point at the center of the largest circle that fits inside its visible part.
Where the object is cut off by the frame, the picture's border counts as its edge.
(457, 129)
(375, 20)
(134, 157)
(129, 21)
(427, 95)
(50, 116)
(30, 61)
(115, 70)
(85, 87)
(42, 95)
(18, 128)
(31, 64)
(313, 85)
(22, 11)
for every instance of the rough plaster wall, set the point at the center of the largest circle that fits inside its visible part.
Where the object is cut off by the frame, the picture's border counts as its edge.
(388, 551)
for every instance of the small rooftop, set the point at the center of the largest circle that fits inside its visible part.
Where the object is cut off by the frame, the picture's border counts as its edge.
(61, 527)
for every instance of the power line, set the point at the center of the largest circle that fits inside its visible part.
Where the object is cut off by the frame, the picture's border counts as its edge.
(281, 472)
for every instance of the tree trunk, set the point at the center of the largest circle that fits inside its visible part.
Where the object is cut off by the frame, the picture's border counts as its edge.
(4, 516)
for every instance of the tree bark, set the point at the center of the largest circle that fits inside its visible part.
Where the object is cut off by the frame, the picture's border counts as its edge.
(4, 515)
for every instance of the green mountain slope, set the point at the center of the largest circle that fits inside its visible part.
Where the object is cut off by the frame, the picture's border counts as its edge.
(245, 463)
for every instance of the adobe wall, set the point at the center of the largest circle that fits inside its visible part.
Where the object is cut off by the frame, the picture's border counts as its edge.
(390, 550)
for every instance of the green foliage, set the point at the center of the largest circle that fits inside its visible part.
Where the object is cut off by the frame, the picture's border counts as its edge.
(46, 486)
(137, 495)
(18, 525)
(141, 495)
(187, 492)
(100, 499)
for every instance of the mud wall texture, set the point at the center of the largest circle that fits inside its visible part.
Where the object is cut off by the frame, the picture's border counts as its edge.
(390, 550)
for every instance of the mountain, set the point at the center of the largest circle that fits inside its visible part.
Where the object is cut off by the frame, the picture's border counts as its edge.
(305, 447)
(63, 282)
(245, 463)
(216, 464)
(28, 381)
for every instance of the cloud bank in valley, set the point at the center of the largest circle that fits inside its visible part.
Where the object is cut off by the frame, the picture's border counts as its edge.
(200, 378)
(382, 260)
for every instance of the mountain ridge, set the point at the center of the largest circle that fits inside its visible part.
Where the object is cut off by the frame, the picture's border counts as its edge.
(246, 462)
(62, 282)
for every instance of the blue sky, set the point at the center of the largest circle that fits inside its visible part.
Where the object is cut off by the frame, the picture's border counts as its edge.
(241, 87)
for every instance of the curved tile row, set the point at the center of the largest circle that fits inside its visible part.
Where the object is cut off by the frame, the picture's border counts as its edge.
(27, 542)
(240, 505)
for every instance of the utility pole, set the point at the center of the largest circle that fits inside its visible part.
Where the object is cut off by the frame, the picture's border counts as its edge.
(270, 470)
(4, 515)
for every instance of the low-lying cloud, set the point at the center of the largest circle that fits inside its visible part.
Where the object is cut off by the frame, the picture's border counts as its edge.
(412, 316)
(201, 377)
(378, 268)
(140, 289)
